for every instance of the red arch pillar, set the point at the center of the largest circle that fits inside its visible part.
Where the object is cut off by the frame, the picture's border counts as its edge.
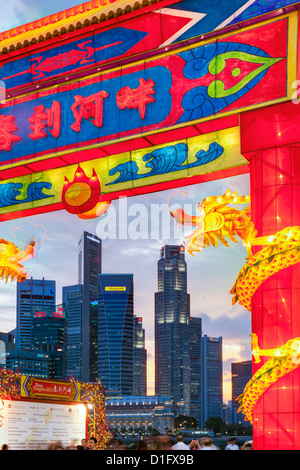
(270, 140)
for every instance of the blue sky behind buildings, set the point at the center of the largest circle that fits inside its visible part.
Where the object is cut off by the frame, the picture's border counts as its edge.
(211, 273)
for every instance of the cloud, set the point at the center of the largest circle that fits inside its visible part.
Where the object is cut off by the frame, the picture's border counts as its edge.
(233, 329)
(17, 12)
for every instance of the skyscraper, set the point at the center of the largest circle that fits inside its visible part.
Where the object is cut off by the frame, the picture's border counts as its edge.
(89, 261)
(196, 370)
(115, 333)
(89, 266)
(72, 300)
(33, 295)
(48, 336)
(241, 373)
(212, 377)
(172, 317)
(140, 358)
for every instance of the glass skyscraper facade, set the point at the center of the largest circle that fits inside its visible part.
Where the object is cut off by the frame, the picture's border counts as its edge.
(140, 358)
(241, 373)
(72, 300)
(89, 266)
(48, 336)
(172, 318)
(212, 377)
(196, 370)
(33, 295)
(115, 333)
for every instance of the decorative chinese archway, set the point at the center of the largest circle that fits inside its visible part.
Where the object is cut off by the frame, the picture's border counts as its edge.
(114, 98)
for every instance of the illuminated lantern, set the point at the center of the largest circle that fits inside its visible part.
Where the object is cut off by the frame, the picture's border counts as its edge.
(82, 194)
(282, 250)
(10, 261)
(216, 221)
(283, 361)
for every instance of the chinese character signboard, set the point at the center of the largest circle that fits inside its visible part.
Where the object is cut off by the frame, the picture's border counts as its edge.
(210, 79)
(32, 387)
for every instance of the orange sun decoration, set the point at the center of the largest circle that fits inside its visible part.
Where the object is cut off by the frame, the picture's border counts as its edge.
(82, 194)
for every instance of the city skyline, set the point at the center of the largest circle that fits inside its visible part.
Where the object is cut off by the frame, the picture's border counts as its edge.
(57, 260)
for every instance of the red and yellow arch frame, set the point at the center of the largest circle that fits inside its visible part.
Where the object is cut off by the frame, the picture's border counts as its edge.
(100, 105)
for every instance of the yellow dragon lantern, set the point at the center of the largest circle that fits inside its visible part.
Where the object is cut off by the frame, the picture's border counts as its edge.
(282, 361)
(216, 222)
(12, 258)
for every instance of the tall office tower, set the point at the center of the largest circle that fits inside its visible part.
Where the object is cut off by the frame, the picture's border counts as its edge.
(212, 377)
(172, 316)
(33, 295)
(72, 300)
(139, 358)
(241, 373)
(89, 266)
(48, 336)
(196, 370)
(115, 331)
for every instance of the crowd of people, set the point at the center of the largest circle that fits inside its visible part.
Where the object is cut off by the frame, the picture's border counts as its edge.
(206, 443)
(167, 443)
(154, 443)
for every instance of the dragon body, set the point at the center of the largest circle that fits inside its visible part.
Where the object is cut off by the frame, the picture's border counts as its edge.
(283, 361)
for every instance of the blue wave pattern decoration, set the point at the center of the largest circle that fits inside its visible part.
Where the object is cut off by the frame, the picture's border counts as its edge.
(10, 191)
(165, 160)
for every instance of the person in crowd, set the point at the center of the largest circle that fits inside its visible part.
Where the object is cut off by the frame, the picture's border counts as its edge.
(84, 444)
(207, 444)
(231, 444)
(248, 445)
(180, 445)
(162, 443)
(92, 443)
(117, 444)
(194, 444)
